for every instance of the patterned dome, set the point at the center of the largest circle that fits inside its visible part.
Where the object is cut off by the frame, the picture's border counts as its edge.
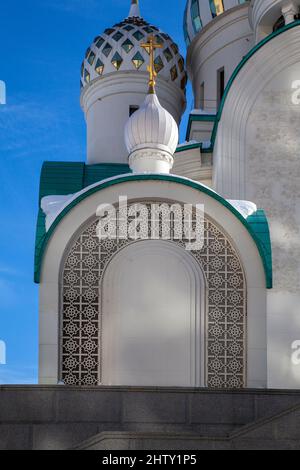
(198, 13)
(119, 49)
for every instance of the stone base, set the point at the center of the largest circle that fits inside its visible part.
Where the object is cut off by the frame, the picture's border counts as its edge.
(104, 418)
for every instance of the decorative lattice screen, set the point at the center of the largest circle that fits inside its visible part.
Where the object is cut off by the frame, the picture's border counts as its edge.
(85, 263)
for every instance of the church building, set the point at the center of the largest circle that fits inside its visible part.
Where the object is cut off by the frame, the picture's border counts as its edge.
(138, 311)
(170, 266)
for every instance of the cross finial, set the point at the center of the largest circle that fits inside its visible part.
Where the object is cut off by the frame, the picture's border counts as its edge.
(134, 9)
(150, 47)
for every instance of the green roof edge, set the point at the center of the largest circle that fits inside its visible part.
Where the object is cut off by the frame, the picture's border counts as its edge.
(263, 243)
(197, 118)
(188, 146)
(235, 74)
(63, 178)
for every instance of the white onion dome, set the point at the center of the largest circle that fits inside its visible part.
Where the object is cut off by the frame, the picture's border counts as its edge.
(198, 13)
(119, 49)
(151, 137)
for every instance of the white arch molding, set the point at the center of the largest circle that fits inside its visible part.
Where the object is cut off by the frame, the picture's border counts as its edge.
(54, 257)
(230, 152)
(153, 317)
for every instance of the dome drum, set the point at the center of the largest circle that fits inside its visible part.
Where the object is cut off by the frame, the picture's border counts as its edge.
(268, 16)
(199, 13)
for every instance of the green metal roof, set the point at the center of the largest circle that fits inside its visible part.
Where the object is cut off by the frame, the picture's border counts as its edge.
(188, 146)
(63, 178)
(234, 75)
(256, 224)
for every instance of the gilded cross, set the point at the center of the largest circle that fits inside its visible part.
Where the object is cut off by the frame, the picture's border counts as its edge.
(150, 47)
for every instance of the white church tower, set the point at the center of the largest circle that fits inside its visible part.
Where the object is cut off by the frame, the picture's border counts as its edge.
(244, 63)
(114, 77)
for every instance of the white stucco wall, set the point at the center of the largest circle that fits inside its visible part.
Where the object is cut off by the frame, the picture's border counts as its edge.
(221, 43)
(273, 181)
(257, 158)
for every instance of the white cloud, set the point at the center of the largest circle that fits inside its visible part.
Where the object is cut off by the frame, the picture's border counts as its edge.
(8, 293)
(30, 128)
(9, 270)
(2, 92)
(18, 375)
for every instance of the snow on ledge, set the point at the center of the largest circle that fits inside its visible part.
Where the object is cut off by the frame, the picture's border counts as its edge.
(202, 112)
(246, 208)
(186, 143)
(52, 206)
(206, 144)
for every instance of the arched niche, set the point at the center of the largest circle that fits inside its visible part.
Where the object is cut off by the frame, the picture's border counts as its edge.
(153, 302)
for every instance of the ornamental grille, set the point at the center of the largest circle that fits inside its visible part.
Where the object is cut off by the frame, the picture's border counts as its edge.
(225, 316)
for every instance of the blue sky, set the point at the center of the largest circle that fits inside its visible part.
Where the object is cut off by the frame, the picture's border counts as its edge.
(42, 44)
